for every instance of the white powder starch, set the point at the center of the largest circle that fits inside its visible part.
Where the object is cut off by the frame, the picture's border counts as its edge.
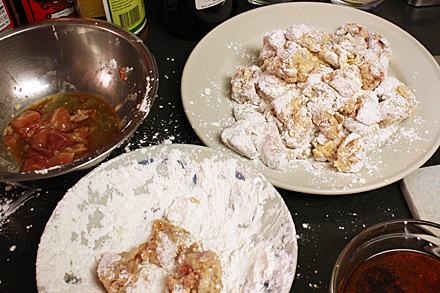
(225, 206)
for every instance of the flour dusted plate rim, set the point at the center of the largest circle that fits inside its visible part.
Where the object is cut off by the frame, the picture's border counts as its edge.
(81, 227)
(206, 87)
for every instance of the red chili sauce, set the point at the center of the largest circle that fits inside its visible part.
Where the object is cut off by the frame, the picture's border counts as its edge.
(405, 271)
(59, 130)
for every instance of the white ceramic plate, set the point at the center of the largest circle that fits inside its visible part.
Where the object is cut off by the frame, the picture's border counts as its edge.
(219, 200)
(206, 88)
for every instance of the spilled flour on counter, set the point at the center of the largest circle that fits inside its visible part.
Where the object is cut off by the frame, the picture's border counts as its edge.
(224, 205)
(14, 195)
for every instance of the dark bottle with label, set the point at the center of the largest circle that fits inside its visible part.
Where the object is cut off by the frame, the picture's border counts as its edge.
(33, 10)
(8, 17)
(192, 19)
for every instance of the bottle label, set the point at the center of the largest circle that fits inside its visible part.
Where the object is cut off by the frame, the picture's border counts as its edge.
(41, 9)
(5, 18)
(130, 14)
(203, 4)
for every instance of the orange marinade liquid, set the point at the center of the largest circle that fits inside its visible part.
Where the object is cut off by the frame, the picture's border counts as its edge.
(405, 271)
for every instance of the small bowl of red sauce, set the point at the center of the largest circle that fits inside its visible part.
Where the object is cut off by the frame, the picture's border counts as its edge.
(394, 256)
(72, 90)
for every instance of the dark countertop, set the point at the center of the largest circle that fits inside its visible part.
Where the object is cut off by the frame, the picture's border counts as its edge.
(325, 224)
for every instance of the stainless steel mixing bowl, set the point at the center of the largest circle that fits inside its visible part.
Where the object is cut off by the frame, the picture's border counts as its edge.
(44, 58)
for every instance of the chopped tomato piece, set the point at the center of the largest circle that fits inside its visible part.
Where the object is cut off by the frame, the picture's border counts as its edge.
(39, 138)
(59, 130)
(60, 120)
(58, 141)
(122, 74)
(81, 115)
(38, 161)
(25, 118)
(26, 123)
(34, 161)
(10, 141)
(77, 149)
(80, 134)
(60, 158)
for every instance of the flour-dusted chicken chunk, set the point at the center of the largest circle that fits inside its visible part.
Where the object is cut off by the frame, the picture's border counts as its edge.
(328, 121)
(394, 110)
(321, 107)
(350, 154)
(295, 67)
(239, 137)
(396, 101)
(391, 87)
(297, 127)
(271, 86)
(362, 106)
(320, 96)
(243, 85)
(249, 112)
(307, 37)
(166, 243)
(171, 248)
(373, 72)
(381, 46)
(368, 111)
(273, 151)
(198, 272)
(324, 148)
(345, 48)
(117, 272)
(253, 141)
(353, 44)
(352, 125)
(346, 81)
(372, 58)
(315, 77)
(272, 43)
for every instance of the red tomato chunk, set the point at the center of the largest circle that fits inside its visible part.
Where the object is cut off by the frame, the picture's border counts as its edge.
(41, 140)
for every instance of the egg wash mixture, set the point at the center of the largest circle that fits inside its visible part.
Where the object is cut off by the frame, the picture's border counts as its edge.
(59, 130)
(240, 226)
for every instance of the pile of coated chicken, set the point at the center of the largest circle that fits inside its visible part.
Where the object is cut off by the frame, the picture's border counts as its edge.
(316, 95)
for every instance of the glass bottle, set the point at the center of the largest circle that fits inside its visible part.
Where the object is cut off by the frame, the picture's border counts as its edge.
(46, 9)
(130, 14)
(8, 17)
(90, 9)
(192, 19)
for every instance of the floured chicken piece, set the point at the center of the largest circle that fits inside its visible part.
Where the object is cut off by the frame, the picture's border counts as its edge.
(297, 125)
(166, 243)
(294, 67)
(198, 272)
(307, 37)
(243, 87)
(350, 153)
(324, 149)
(171, 248)
(369, 51)
(316, 95)
(254, 137)
(397, 101)
(118, 271)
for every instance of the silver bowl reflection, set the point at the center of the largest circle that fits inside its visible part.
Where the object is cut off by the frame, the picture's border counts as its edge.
(45, 58)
